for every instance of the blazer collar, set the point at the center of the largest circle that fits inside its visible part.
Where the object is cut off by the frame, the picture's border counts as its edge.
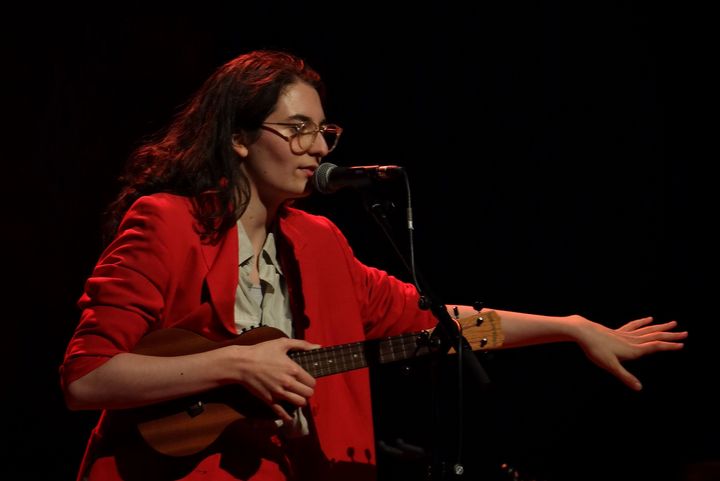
(222, 263)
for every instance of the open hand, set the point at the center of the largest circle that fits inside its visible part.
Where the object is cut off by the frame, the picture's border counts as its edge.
(608, 347)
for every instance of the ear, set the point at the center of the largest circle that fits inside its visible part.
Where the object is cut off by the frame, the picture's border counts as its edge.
(239, 146)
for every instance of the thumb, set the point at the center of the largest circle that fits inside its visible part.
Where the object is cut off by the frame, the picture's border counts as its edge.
(628, 379)
(300, 344)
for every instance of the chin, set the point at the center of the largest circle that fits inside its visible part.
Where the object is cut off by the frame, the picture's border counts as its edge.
(298, 193)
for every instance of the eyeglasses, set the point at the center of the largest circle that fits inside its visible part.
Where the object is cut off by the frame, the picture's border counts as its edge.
(305, 133)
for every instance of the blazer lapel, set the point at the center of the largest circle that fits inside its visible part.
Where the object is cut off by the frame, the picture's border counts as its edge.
(222, 278)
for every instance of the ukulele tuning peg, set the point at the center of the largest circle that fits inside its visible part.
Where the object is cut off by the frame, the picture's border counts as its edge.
(478, 305)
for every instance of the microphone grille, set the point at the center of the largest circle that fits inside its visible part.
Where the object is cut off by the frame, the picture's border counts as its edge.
(321, 177)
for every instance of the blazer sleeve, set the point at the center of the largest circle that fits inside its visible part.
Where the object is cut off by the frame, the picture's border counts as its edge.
(389, 306)
(124, 296)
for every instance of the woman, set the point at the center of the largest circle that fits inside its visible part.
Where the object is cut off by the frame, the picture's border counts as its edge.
(203, 238)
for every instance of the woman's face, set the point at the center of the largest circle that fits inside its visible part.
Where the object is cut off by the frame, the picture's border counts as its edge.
(277, 167)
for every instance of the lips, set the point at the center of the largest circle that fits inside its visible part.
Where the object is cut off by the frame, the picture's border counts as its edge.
(308, 170)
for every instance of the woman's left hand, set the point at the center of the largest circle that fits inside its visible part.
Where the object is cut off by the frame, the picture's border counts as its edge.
(608, 347)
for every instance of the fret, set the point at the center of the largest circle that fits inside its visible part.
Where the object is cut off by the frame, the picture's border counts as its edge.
(347, 357)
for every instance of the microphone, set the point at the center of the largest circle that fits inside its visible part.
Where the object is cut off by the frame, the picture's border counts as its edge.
(329, 178)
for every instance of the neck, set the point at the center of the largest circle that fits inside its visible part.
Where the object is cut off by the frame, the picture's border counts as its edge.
(257, 220)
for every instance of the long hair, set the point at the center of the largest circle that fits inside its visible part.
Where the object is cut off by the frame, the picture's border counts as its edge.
(194, 155)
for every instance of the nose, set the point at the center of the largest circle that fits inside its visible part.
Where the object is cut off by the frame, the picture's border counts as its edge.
(319, 147)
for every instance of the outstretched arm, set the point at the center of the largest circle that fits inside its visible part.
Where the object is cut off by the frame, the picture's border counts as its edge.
(605, 347)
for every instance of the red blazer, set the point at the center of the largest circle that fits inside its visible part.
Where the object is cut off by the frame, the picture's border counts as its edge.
(158, 273)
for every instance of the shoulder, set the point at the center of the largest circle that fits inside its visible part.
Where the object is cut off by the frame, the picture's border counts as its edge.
(307, 222)
(162, 203)
(165, 215)
(314, 232)
(298, 224)
(167, 208)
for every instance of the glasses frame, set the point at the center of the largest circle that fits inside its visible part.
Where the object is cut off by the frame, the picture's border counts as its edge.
(299, 125)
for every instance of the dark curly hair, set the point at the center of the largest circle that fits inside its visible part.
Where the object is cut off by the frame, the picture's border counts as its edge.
(194, 155)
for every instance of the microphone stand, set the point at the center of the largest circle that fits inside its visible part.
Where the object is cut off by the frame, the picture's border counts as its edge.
(446, 335)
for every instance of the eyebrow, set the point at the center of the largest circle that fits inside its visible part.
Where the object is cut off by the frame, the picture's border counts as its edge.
(305, 118)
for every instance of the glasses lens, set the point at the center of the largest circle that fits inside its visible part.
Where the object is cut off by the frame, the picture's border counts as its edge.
(308, 134)
(331, 134)
(331, 137)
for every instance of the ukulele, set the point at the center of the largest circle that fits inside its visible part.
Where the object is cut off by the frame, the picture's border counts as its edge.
(188, 425)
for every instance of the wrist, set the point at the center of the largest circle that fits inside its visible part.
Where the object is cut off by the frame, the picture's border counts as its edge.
(227, 364)
(573, 327)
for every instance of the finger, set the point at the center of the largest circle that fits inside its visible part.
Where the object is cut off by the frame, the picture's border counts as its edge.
(632, 325)
(281, 413)
(670, 336)
(293, 398)
(300, 345)
(292, 385)
(302, 376)
(266, 397)
(644, 349)
(657, 346)
(661, 336)
(297, 373)
(272, 396)
(261, 393)
(656, 327)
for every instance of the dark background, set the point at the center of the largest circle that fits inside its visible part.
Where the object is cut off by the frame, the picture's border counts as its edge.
(555, 165)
